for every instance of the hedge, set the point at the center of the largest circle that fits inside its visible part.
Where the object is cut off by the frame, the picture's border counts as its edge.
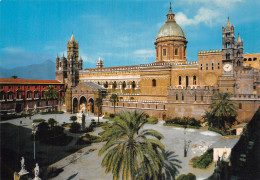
(38, 120)
(204, 160)
(182, 126)
(52, 112)
(152, 120)
(217, 131)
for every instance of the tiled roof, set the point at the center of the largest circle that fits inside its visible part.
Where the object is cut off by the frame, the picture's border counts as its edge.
(27, 81)
(94, 85)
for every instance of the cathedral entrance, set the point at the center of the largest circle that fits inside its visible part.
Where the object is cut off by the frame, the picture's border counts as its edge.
(91, 105)
(18, 107)
(75, 105)
(83, 104)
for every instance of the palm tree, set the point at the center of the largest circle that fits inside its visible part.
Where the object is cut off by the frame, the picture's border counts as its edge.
(114, 99)
(224, 109)
(14, 77)
(170, 166)
(130, 150)
(98, 104)
(51, 94)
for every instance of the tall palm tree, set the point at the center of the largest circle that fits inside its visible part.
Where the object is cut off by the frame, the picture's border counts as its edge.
(130, 150)
(224, 109)
(98, 104)
(114, 99)
(51, 94)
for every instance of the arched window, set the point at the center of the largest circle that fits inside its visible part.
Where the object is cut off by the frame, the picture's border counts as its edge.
(195, 97)
(255, 59)
(228, 56)
(212, 66)
(10, 95)
(240, 105)
(187, 81)
(36, 94)
(164, 52)
(179, 80)
(194, 80)
(29, 94)
(133, 84)
(249, 59)
(106, 85)
(182, 97)
(153, 82)
(19, 95)
(124, 85)
(114, 84)
(245, 59)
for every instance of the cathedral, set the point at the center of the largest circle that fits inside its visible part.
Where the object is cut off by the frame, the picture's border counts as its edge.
(171, 86)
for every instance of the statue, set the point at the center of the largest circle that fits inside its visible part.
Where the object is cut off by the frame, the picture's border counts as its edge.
(36, 172)
(23, 171)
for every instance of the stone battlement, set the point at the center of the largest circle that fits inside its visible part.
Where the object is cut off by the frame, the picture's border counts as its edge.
(111, 69)
(180, 87)
(209, 51)
(246, 96)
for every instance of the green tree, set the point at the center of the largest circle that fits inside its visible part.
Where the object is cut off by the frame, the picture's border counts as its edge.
(224, 109)
(51, 94)
(83, 121)
(114, 99)
(130, 150)
(99, 105)
(52, 122)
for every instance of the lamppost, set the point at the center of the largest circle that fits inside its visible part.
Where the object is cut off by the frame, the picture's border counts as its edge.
(33, 133)
(185, 144)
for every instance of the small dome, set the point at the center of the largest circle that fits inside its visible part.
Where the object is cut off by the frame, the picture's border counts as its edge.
(171, 29)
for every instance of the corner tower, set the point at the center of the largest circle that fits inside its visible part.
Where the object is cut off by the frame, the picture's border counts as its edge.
(171, 43)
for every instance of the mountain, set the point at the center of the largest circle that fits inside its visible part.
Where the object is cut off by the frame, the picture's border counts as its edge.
(45, 70)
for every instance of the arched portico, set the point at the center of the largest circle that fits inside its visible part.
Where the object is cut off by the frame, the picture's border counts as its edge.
(91, 105)
(83, 104)
(75, 103)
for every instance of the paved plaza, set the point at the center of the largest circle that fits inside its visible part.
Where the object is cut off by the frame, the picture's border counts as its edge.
(86, 164)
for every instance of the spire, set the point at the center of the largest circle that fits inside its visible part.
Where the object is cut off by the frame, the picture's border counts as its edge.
(238, 39)
(228, 23)
(57, 56)
(72, 39)
(170, 15)
(63, 55)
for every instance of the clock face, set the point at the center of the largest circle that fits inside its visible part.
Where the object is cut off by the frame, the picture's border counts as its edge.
(227, 67)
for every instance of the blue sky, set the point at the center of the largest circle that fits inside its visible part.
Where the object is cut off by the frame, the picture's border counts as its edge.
(120, 32)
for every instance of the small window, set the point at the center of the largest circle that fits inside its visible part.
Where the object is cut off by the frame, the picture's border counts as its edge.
(179, 80)
(194, 80)
(206, 66)
(35, 86)
(29, 86)
(187, 80)
(212, 66)
(10, 95)
(195, 97)
(249, 59)
(156, 107)
(123, 104)
(218, 66)
(163, 106)
(176, 97)
(245, 59)
(254, 87)
(255, 59)
(201, 97)
(164, 52)
(182, 97)
(176, 52)
(227, 56)
(200, 66)
(240, 105)
(153, 82)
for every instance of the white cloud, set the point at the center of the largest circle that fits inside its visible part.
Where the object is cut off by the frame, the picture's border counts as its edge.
(13, 49)
(145, 53)
(219, 3)
(204, 15)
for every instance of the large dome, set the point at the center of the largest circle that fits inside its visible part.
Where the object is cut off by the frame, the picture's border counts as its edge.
(171, 29)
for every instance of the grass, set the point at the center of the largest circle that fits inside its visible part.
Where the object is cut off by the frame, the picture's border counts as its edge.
(182, 126)
(38, 120)
(204, 160)
(12, 116)
(52, 112)
(88, 139)
(217, 131)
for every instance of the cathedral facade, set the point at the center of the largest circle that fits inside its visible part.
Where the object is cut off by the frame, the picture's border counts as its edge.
(171, 86)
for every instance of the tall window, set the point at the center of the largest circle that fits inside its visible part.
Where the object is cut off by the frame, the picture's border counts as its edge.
(182, 97)
(179, 80)
(2, 96)
(194, 80)
(187, 80)
(212, 66)
(176, 97)
(195, 97)
(176, 52)
(153, 82)
(29, 94)
(164, 52)
(228, 56)
(36, 94)
(240, 105)
(201, 97)
(19, 95)
(206, 66)
(200, 66)
(10, 95)
(218, 66)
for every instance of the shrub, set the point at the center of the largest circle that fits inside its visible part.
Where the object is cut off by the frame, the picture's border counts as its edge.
(73, 118)
(152, 120)
(182, 126)
(38, 120)
(189, 176)
(217, 131)
(88, 139)
(52, 112)
(75, 127)
(184, 121)
(52, 122)
(42, 130)
(111, 115)
(204, 160)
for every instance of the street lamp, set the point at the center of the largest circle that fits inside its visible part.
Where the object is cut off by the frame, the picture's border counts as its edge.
(185, 144)
(34, 133)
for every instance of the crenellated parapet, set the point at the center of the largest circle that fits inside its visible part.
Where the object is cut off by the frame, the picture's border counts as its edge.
(209, 51)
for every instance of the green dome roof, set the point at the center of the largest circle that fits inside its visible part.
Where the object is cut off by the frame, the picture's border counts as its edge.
(171, 29)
